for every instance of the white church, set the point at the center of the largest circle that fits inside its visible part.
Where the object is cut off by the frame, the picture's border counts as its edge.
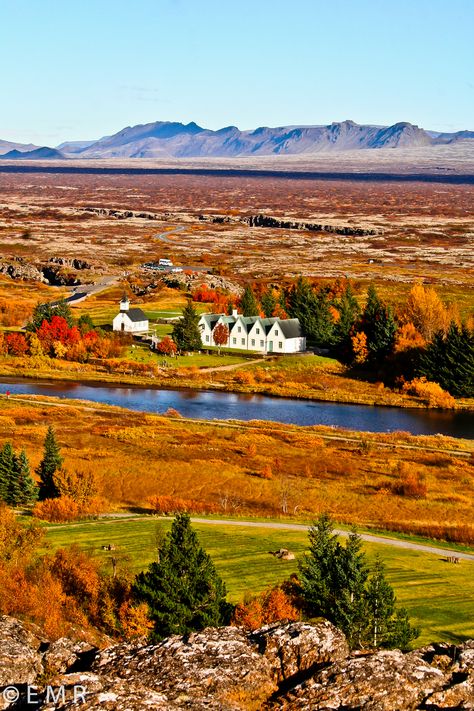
(253, 333)
(130, 320)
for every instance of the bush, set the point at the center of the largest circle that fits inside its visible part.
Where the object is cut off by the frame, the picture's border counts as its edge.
(432, 393)
(272, 605)
(410, 483)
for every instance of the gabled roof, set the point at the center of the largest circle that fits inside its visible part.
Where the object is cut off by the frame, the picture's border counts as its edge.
(135, 315)
(291, 328)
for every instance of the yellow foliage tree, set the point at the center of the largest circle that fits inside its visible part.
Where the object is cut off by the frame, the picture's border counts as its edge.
(425, 310)
(359, 347)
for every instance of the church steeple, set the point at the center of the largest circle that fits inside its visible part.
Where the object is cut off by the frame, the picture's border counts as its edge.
(124, 303)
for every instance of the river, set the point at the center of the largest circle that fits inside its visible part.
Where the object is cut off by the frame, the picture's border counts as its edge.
(208, 405)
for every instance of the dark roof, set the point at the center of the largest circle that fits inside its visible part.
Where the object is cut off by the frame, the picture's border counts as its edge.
(135, 315)
(291, 328)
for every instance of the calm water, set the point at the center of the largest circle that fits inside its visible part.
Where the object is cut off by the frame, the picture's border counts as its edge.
(209, 405)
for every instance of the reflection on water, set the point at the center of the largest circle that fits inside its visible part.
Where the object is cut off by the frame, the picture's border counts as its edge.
(221, 406)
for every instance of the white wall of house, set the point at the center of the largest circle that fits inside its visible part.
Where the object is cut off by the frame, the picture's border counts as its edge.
(122, 322)
(256, 338)
(238, 335)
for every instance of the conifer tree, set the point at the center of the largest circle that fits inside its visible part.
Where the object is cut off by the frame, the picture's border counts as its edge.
(52, 461)
(7, 466)
(335, 584)
(449, 361)
(248, 303)
(269, 302)
(183, 590)
(28, 487)
(186, 332)
(349, 310)
(379, 326)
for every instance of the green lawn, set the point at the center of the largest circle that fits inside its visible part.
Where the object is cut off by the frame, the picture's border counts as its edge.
(141, 353)
(439, 596)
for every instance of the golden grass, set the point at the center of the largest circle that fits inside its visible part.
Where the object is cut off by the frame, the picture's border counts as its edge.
(136, 455)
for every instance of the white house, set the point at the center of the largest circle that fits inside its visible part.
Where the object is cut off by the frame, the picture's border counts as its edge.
(253, 333)
(130, 320)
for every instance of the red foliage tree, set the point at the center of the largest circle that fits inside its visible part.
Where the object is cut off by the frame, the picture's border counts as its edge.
(16, 344)
(220, 335)
(167, 346)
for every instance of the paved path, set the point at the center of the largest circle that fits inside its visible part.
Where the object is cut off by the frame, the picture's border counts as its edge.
(383, 540)
(164, 236)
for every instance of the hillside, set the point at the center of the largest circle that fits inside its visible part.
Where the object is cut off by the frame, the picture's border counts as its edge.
(43, 153)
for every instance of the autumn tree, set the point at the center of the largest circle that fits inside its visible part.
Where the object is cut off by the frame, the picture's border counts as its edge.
(46, 312)
(220, 336)
(248, 303)
(167, 347)
(270, 606)
(16, 344)
(425, 310)
(51, 462)
(183, 590)
(186, 332)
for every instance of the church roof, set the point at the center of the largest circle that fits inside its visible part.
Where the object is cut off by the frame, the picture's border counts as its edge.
(135, 315)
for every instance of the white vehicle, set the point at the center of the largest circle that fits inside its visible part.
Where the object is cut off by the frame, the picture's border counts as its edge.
(165, 263)
(176, 269)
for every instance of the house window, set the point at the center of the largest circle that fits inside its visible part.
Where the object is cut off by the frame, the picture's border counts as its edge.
(239, 329)
(234, 341)
(243, 341)
(258, 331)
(280, 345)
(253, 341)
(262, 343)
(207, 339)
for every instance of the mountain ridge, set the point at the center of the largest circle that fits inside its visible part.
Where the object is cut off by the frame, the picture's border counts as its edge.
(172, 139)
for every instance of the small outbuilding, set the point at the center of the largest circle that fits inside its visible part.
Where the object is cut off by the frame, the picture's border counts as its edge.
(130, 320)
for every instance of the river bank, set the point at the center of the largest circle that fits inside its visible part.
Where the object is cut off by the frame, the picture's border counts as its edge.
(325, 381)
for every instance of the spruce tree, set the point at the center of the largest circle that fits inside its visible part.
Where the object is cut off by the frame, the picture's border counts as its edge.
(385, 625)
(335, 584)
(7, 466)
(183, 590)
(186, 332)
(349, 310)
(269, 302)
(248, 303)
(378, 324)
(45, 312)
(28, 487)
(49, 465)
(449, 361)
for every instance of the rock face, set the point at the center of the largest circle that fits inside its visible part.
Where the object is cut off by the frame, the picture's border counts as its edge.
(283, 666)
(261, 220)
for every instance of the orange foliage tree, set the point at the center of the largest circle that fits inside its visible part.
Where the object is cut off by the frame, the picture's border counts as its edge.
(272, 605)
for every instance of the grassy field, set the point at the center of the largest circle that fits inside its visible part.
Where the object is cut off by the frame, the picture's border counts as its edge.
(142, 354)
(438, 596)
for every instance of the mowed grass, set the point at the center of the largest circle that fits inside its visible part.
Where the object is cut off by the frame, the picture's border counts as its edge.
(438, 595)
(142, 353)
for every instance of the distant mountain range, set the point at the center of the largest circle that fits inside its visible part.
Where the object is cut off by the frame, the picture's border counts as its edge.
(165, 139)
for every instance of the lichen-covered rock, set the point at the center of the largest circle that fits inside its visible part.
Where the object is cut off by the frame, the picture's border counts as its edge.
(20, 660)
(216, 665)
(460, 692)
(299, 647)
(64, 653)
(384, 681)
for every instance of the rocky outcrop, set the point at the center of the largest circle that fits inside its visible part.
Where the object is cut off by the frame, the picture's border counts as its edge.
(261, 220)
(18, 269)
(283, 666)
(57, 271)
(193, 280)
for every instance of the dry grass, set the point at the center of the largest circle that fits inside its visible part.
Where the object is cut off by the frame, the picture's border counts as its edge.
(136, 456)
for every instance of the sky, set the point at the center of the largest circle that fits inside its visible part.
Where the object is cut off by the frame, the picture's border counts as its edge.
(82, 69)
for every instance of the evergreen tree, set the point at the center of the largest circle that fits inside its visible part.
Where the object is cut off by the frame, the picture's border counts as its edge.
(301, 304)
(248, 303)
(386, 626)
(269, 302)
(49, 465)
(85, 323)
(349, 310)
(335, 584)
(28, 487)
(16, 485)
(7, 468)
(45, 312)
(379, 326)
(183, 590)
(186, 332)
(449, 361)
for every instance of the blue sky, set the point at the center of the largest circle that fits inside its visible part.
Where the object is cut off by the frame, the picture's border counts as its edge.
(80, 69)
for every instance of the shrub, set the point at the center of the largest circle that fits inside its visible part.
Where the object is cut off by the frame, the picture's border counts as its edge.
(410, 483)
(272, 605)
(432, 393)
(174, 504)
